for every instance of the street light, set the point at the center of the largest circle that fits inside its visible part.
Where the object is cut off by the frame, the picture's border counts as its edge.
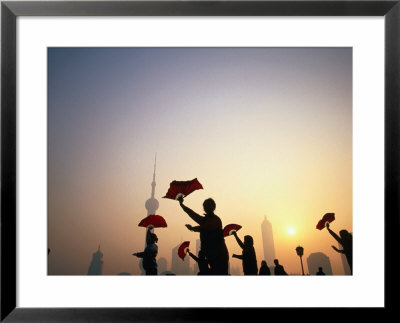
(300, 252)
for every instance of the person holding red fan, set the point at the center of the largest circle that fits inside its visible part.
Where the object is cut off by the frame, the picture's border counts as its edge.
(211, 236)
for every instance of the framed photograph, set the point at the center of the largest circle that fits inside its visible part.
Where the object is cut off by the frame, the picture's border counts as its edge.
(159, 157)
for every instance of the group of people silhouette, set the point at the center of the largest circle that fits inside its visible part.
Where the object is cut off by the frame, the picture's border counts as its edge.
(213, 257)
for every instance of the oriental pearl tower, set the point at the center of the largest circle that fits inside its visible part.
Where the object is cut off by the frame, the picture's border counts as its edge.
(151, 206)
(152, 203)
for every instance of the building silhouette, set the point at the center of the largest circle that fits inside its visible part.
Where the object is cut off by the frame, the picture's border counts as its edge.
(268, 241)
(316, 260)
(162, 264)
(195, 265)
(96, 266)
(151, 206)
(179, 266)
(198, 244)
(234, 270)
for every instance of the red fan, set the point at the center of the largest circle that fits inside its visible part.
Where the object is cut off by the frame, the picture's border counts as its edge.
(157, 221)
(182, 188)
(228, 230)
(183, 248)
(328, 217)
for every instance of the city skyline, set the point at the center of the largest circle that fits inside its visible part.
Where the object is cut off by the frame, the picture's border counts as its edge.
(266, 131)
(178, 266)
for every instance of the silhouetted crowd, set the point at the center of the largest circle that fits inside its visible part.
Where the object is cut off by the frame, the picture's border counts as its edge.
(213, 257)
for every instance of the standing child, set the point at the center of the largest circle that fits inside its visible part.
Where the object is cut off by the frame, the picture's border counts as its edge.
(201, 262)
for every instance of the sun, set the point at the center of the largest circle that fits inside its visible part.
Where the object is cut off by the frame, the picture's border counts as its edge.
(291, 231)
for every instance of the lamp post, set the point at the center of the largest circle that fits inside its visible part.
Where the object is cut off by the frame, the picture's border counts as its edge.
(300, 252)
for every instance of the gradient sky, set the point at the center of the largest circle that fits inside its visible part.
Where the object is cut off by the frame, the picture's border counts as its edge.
(267, 131)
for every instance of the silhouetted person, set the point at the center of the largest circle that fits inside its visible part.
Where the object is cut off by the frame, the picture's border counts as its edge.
(211, 236)
(149, 254)
(48, 251)
(320, 272)
(278, 270)
(249, 260)
(264, 269)
(201, 262)
(346, 240)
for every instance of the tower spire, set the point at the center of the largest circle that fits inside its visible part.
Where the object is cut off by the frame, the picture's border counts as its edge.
(153, 184)
(154, 173)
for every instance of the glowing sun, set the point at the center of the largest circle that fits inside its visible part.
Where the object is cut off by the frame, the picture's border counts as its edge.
(291, 231)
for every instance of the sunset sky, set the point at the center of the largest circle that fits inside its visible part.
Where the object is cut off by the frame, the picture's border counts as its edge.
(266, 131)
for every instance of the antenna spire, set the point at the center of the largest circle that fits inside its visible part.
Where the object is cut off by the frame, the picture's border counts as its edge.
(155, 163)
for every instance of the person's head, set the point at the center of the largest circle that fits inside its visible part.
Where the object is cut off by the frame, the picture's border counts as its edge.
(276, 261)
(319, 268)
(263, 263)
(209, 206)
(152, 238)
(248, 241)
(344, 234)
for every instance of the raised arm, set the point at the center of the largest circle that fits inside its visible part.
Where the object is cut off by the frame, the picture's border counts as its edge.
(193, 256)
(148, 232)
(192, 228)
(193, 215)
(333, 234)
(139, 254)
(241, 244)
(337, 250)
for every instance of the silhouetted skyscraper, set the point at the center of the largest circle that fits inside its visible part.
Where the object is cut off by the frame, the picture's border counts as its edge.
(151, 207)
(316, 260)
(96, 266)
(162, 264)
(198, 244)
(179, 266)
(268, 241)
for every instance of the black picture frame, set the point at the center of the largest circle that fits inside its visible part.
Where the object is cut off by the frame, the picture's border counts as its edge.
(10, 10)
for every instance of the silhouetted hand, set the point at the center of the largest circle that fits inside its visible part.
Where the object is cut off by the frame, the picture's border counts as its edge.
(187, 250)
(327, 225)
(150, 226)
(189, 227)
(234, 233)
(180, 199)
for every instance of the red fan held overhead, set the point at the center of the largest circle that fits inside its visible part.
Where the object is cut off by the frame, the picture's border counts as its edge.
(328, 217)
(182, 250)
(230, 228)
(182, 188)
(157, 221)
